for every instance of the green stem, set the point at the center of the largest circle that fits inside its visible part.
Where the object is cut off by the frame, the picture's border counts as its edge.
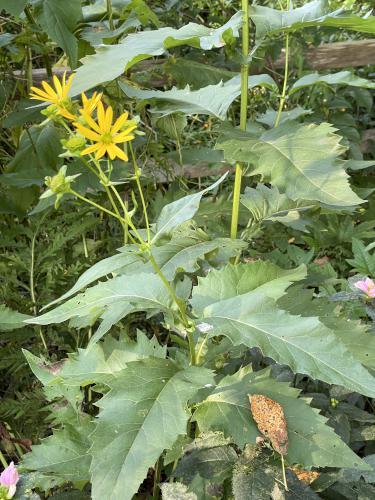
(286, 71)
(99, 207)
(157, 476)
(180, 306)
(243, 115)
(39, 37)
(284, 475)
(193, 358)
(139, 186)
(110, 14)
(201, 350)
(29, 69)
(85, 246)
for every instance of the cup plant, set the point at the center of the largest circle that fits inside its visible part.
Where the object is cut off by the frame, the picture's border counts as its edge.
(160, 395)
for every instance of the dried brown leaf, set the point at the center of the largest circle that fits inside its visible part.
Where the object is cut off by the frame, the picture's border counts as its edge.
(270, 419)
(306, 476)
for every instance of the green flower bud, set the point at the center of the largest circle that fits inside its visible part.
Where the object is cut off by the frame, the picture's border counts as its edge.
(73, 145)
(58, 185)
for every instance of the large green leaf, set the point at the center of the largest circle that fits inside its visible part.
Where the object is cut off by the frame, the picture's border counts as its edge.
(353, 334)
(113, 300)
(303, 343)
(59, 20)
(313, 14)
(301, 160)
(65, 454)
(268, 204)
(184, 253)
(98, 364)
(212, 100)
(311, 441)
(182, 210)
(341, 78)
(125, 262)
(196, 74)
(14, 7)
(143, 414)
(11, 320)
(234, 280)
(110, 61)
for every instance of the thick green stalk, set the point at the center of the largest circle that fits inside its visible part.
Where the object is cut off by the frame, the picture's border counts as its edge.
(110, 14)
(243, 115)
(140, 190)
(180, 306)
(286, 72)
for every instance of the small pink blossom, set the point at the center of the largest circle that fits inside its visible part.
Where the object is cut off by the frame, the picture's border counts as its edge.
(9, 478)
(367, 286)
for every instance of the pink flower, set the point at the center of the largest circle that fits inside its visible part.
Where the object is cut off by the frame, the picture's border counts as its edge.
(9, 477)
(367, 286)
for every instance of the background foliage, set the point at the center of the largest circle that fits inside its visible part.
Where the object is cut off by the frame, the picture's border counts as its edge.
(305, 230)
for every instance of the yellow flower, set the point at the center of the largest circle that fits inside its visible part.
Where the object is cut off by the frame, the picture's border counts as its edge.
(57, 96)
(89, 104)
(104, 134)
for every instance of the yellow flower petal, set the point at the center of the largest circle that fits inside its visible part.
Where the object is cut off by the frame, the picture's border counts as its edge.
(90, 121)
(68, 84)
(122, 138)
(108, 118)
(119, 122)
(119, 153)
(58, 87)
(101, 151)
(86, 132)
(101, 117)
(111, 151)
(66, 114)
(90, 149)
(39, 94)
(50, 92)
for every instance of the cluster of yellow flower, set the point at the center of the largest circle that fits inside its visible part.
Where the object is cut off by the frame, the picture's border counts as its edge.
(102, 132)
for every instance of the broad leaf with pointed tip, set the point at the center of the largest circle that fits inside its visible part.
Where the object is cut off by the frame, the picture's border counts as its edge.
(311, 441)
(11, 320)
(232, 281)
(142, 415)
(306, 345)
(126, 262)
(340, 78)
(111, 300)
(65, 454)
(182, 210)
(301, 160)
(110, 61)
(268, 204)
(212, 100)
(316, 13)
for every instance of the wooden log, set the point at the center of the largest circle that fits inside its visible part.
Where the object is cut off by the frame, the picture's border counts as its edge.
(337, 55)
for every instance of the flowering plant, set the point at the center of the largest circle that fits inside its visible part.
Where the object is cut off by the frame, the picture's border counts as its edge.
(8, 482)
(178, 323)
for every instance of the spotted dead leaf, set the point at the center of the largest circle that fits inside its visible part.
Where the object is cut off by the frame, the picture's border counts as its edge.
(270, 419)
(306, 476)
